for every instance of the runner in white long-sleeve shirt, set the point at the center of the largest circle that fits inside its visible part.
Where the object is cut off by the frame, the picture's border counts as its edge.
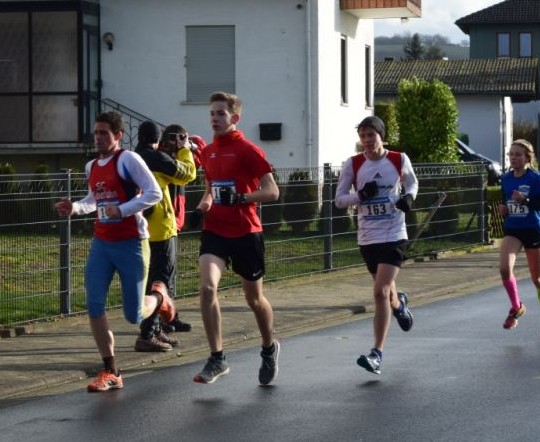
(385, 186)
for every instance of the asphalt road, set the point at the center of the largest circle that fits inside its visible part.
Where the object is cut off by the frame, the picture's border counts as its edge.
(456, 376)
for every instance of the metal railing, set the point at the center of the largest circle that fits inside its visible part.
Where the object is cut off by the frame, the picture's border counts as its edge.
(42, 256)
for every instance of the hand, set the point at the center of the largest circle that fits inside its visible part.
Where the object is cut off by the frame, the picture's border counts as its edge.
(195, 218)
(64, 207)
(404, 203)
(368, 191)
(229, 198)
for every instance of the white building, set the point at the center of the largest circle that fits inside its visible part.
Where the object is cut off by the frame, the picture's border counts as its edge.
(304, 66)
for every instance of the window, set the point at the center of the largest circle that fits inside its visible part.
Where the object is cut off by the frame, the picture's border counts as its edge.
(344, 86)
(503, 45)
(210, 61)
(42, 98)
(525, 44)
(368, 83)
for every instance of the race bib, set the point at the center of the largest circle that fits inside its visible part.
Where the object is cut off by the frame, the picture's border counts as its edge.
(517, 210)
(102, 216)
(219, 186)
(376, 208)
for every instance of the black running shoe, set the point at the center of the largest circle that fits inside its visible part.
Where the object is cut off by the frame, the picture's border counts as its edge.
(371, 362)
(269, 366)
(404, 317)
(176, 326)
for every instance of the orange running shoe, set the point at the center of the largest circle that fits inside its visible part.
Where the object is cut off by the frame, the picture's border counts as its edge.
(105, 381)
(513, 315)
(166, 309)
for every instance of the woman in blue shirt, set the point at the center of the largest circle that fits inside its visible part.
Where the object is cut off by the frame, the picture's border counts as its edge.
(521, 211)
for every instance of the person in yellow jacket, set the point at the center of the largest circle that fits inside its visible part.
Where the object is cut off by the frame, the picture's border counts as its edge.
(162, 226)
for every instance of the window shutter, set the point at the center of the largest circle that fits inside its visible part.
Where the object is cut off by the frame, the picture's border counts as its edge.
(210, 61)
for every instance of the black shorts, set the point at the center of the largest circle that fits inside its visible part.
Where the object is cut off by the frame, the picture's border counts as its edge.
(530, 238)
(392, 253)
(246, 253)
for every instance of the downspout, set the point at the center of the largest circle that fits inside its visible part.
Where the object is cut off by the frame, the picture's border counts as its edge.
(309, 113)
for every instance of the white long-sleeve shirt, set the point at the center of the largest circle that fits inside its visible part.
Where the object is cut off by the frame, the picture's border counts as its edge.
(379, 221)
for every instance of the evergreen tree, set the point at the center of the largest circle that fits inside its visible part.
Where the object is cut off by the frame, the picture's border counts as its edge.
(414, 49)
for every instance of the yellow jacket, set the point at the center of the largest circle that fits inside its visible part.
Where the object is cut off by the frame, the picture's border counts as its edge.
(179, 171)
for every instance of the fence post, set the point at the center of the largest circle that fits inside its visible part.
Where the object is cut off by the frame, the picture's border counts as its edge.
(327, 217)
(65, 254)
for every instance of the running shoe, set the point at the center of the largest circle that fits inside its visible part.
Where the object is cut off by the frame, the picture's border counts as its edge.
(164, 337)
(105, 381)
(214, 368)
(152, 344)
(513, 315)
(269, 366)
(166, 308)
(404, 317)
(176, 325)
(371, 362)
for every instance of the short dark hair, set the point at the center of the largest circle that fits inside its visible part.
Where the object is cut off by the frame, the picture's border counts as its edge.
(114, 120)
(233, 102)
(174, 129)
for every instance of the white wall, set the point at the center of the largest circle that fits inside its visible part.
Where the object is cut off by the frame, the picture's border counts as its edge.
(481, 118)
(145, 70)
(336, 129)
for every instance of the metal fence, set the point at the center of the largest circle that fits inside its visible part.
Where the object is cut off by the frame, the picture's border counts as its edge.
(42, 256)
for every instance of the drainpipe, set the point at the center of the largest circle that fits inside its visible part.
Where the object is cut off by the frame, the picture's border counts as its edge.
(309, 124)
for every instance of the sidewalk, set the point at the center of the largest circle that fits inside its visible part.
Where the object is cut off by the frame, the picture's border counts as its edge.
(50, 354)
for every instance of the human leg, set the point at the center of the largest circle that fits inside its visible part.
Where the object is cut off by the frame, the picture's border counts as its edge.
(99, 271)
(384, 281)
(211, 268)
(510, 247)
(533, 262)
(98, 275)
(264, 315)
(162, 265)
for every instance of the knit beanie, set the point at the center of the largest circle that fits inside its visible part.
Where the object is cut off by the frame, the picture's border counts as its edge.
(374, 123)
(149, 133)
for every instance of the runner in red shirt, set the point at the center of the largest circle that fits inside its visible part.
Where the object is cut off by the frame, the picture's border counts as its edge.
(238, 177)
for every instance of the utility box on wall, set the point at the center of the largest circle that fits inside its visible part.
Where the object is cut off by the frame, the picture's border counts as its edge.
(270, 131)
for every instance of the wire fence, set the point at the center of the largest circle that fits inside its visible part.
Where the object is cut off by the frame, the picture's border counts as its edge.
(42, 256)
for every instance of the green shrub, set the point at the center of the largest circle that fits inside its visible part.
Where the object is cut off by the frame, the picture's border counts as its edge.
(300, 201)
(427, 118)
(387, 113)
(341, 218)
(272, 212)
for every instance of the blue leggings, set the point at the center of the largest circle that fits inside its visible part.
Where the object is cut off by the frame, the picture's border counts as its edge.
(130, 258)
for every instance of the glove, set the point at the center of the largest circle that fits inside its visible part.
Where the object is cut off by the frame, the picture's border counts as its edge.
(368, 191)
(229, 198)
(404, 203)
(195, 218)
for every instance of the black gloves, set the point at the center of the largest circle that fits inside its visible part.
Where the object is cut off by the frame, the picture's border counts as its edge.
(368, 191)
(404, 203)
(229, 198)
(195, 218)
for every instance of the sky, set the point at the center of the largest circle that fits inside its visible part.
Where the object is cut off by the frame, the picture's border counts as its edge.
(438, 17)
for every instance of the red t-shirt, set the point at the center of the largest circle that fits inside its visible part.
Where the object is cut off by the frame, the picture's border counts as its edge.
(233, 161)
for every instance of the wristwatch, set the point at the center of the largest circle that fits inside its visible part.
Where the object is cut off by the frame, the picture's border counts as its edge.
(242, 199)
